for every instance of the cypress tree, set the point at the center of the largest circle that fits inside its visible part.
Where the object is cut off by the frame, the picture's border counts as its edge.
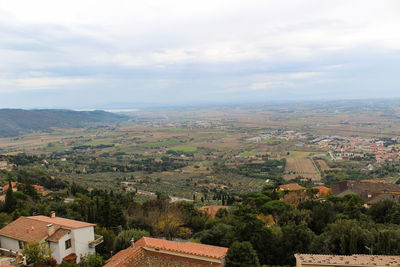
(10, 201)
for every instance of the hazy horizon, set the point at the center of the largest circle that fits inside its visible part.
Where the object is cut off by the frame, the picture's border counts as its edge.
(98, 54)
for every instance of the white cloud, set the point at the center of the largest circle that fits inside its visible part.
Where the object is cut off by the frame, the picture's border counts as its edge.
(76, 43)
(270, 85)
(40, 83)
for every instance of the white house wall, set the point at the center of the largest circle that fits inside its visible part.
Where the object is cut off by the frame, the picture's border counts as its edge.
(9, 243)
(82, 237)
(55, 251)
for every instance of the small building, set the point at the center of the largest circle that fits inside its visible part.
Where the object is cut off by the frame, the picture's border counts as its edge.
(67, 239)
(319, 260)
(14, 186)
(323, 191)
(291, 187)
(153, 252)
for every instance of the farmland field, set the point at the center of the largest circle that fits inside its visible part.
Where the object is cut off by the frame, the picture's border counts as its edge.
(301, 167)
(324, 166)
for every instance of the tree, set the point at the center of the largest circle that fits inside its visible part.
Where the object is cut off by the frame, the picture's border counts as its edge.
(219, 235)
(242, 254)
(107, 246)
(4, 219)
(382, 211)
(295, 239)
(124, 238)
(91, 260)
(345, 237)
(276, 208)
(10, 201)
(36, 253)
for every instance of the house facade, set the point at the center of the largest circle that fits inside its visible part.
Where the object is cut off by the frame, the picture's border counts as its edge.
(68, 239)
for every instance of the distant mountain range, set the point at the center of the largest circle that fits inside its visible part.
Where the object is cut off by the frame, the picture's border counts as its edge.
(14, 122)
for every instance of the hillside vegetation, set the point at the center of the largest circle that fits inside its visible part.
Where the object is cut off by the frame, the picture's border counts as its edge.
(14, 122)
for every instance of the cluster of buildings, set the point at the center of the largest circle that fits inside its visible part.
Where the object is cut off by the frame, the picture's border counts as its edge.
(371, 191)
(14, 185)
(357, 147)
(341, 148)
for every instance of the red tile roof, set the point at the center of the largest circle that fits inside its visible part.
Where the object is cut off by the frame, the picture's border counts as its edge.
(161, 245)
(27, 230)
(291, 187)
(186, 247)
(354, 260)
(13, 185)
(323, 189)
(125, 256)
(58, 235)
(72, 224)
(33, 229)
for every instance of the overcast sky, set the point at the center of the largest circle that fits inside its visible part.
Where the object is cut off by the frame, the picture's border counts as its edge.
(93, 53)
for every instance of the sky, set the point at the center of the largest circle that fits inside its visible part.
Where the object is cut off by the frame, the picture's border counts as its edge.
(119, 53)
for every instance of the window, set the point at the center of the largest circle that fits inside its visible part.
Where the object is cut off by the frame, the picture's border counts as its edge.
(21, 244)
(68, 244)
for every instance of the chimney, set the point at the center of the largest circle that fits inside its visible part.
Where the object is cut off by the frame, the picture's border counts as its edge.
(50, 229)
(132, 242)
(52, 214)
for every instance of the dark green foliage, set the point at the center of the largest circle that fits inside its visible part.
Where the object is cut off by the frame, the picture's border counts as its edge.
(386, 211)
(219, 235)
(91, 260)
(10, 201)
(276, 207)
(124, 238)
(295, 239)
(345, 237)
(107, 247)
(242, 254)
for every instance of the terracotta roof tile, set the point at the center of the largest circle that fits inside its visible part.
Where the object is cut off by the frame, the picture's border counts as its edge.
(58, 235)
(359, 260)
(25, 229)
(186, 247)
(291, 187)
(323, 189)
(189, 248)
(34, 228)
(124, 256)
(13, 185)
(72, 224)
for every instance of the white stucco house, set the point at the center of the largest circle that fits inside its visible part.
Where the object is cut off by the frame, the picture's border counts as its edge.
(68, 239)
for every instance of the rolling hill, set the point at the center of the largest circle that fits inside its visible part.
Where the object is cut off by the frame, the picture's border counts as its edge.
(14, 122)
